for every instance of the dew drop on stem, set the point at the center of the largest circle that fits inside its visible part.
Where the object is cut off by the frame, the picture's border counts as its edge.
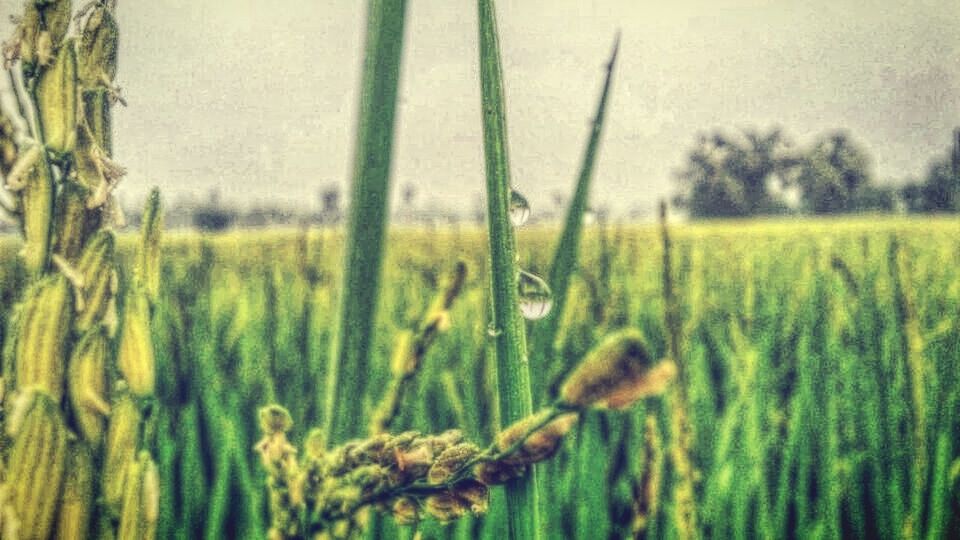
(534, 296)
(589, 218)
(519, 208)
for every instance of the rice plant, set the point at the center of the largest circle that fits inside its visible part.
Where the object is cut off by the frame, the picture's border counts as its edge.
(814, 371)
(328, 489)
(79, 371)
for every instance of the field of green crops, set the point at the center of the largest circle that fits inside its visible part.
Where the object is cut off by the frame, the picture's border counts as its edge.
(761, 379)
(822, 364)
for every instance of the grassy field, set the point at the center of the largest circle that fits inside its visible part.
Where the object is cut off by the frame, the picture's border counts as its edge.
(770, 379)
(821, 357)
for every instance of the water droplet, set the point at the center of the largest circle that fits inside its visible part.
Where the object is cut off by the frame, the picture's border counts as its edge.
(534, 296)
(589, 217)
(493, 331)
(519, 208)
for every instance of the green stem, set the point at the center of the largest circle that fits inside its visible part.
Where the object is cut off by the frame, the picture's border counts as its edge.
(565, 256)
(426, 332)
(681, 426)
(671, 315)
(490, 454)
(513, 370)
(349, 362)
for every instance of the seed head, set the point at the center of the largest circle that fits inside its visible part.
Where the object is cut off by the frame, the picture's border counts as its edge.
(446, 507)
(475, 494)
(275, 419)
(416, 461)
(404, 359)
(149, 267)
(135, 356)
(141, 499)
(450, 461)
(123, 432)
(98, 45)
(56, 18)
(78, 490)
(57, 101)
(616, 373)
(539, 445)
(39, 33)
(36, 467)
(406, 511)
(493, 473)
(314, 446)
(87, 384)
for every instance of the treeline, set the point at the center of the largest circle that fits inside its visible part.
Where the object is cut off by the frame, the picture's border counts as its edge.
(752, 173)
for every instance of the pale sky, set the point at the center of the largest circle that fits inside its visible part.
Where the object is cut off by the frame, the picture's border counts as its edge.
(259, 98)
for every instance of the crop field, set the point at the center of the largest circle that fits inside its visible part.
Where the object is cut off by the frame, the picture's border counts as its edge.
(353, 378)
(821, 366)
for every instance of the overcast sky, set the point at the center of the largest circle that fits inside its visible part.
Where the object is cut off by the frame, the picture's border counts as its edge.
(259, 98)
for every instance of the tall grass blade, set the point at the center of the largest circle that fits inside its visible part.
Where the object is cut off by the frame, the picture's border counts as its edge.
(513, 373)
(565, 255)
(368, 219)
(681, 427)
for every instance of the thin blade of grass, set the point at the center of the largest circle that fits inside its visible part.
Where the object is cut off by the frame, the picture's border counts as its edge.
(368, 220)
(513, 373)
(565, 255)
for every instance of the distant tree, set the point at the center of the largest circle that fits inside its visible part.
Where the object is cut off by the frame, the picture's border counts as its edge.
(912, 196)
(728, 176)
(871, 198)
(939, 192)
(834, 177)
(212, 219)
(212, 216)
(330, 213)
(940, 189)
(955, 153)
